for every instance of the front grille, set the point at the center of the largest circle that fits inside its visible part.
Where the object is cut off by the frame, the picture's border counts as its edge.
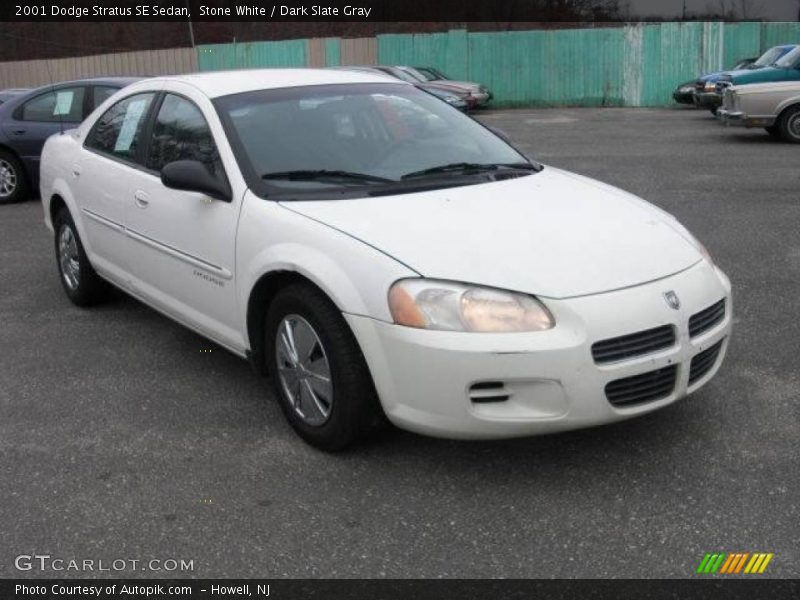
(721, 87)
(646, 387)
(703, 362)
(634, 344)
(706, 318)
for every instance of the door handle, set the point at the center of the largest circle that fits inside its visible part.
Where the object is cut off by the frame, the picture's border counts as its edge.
(19, 131)
(76, 170)
(141, 199)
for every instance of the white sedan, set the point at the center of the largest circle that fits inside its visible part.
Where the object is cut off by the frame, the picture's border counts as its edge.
(382, 256)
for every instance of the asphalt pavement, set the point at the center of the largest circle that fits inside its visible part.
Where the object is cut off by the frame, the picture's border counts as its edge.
(124, 436)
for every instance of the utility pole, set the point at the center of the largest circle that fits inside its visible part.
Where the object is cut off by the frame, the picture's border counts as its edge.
(683, 17)
(191, 28)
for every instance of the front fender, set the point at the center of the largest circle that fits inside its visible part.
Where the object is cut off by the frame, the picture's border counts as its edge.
(272, 238)
(787, 103)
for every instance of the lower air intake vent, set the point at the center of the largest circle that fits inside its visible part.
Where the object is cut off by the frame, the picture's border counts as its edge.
(703, 362)
(707, 318)
(485, 392)
(646, 387)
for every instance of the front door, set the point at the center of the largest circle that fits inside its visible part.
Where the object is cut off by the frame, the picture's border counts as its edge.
(184, 243)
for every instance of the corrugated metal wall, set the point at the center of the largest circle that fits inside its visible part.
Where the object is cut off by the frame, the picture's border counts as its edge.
(289, 53)
(33, 73)
(635, 65)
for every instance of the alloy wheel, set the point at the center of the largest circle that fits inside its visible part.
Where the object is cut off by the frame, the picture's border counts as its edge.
(303, 370)
(794, 125)
(68, 257)
(8, 178)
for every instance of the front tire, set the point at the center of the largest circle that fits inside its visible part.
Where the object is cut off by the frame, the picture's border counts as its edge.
(80, 281)
(13, 181)
(790, 124)
(773, 131)
(317, 369)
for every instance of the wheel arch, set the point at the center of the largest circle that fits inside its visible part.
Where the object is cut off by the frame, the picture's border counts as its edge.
(787, 106)
(261, 296)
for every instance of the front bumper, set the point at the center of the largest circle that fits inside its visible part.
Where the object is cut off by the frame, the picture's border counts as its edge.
(683, 97)
(425, 378)
(707, 100)
(740, 119)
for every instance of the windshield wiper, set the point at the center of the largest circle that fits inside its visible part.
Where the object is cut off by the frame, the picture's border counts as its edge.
(318, 174)
(468, 168)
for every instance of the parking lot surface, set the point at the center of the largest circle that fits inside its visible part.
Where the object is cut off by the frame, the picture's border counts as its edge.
(125, 436)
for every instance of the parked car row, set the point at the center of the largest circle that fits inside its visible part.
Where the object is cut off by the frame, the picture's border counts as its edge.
(703, 92)
(764, 93)
(464, 95)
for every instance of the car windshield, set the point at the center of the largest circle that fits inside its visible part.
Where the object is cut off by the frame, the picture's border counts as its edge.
(414, 73)
(789, 60)
(356, 139)
(402, 75)
(769, 57)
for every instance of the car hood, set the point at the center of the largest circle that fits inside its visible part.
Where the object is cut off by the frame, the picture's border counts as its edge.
(464, 84)
(453, 86)
(711, 76)
(764, 75)
(553, 233)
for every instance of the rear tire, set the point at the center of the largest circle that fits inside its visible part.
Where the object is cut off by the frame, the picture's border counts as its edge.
(13, 180)
(714, 110)
(80, 281)
(789, 124)
(318, 371)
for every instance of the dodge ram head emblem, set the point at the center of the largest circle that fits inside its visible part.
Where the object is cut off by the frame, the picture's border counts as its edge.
(672, 299)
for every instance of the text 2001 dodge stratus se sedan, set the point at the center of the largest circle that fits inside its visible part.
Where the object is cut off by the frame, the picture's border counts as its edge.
(381, 255)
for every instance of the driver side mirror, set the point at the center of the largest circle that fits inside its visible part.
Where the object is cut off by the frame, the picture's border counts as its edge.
(193, 176)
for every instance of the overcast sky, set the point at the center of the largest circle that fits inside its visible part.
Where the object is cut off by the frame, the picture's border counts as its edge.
(771, 10)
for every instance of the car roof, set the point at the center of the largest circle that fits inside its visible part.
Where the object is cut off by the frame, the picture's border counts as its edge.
(111, 81)
(223, 83)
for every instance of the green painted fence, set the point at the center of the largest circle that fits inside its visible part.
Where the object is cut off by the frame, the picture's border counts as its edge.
(633, 65)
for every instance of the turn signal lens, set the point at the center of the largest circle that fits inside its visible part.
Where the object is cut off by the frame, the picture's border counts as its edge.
(442, 305)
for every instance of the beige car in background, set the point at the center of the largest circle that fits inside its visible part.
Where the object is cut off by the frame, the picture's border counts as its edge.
(774, 106)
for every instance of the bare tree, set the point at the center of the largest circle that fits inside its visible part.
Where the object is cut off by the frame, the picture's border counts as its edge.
(750, 9)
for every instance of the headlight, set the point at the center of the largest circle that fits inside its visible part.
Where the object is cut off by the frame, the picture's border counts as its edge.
(710, 86)
(452, 99)
(432, 304)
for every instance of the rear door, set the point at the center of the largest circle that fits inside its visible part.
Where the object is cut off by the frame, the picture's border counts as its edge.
(105, 176)
(184, 243)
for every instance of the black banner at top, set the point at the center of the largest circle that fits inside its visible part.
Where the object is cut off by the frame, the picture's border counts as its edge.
(538, 11)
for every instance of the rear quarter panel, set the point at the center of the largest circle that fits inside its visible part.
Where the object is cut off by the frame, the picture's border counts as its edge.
(58, 154)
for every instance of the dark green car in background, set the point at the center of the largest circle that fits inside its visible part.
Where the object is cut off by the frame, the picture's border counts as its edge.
(786, 68)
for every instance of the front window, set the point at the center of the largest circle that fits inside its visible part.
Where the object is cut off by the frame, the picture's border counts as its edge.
(789, 60)
(180, 132)
(360, 139)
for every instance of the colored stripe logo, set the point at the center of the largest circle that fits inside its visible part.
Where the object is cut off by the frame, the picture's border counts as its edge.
(734, 563)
